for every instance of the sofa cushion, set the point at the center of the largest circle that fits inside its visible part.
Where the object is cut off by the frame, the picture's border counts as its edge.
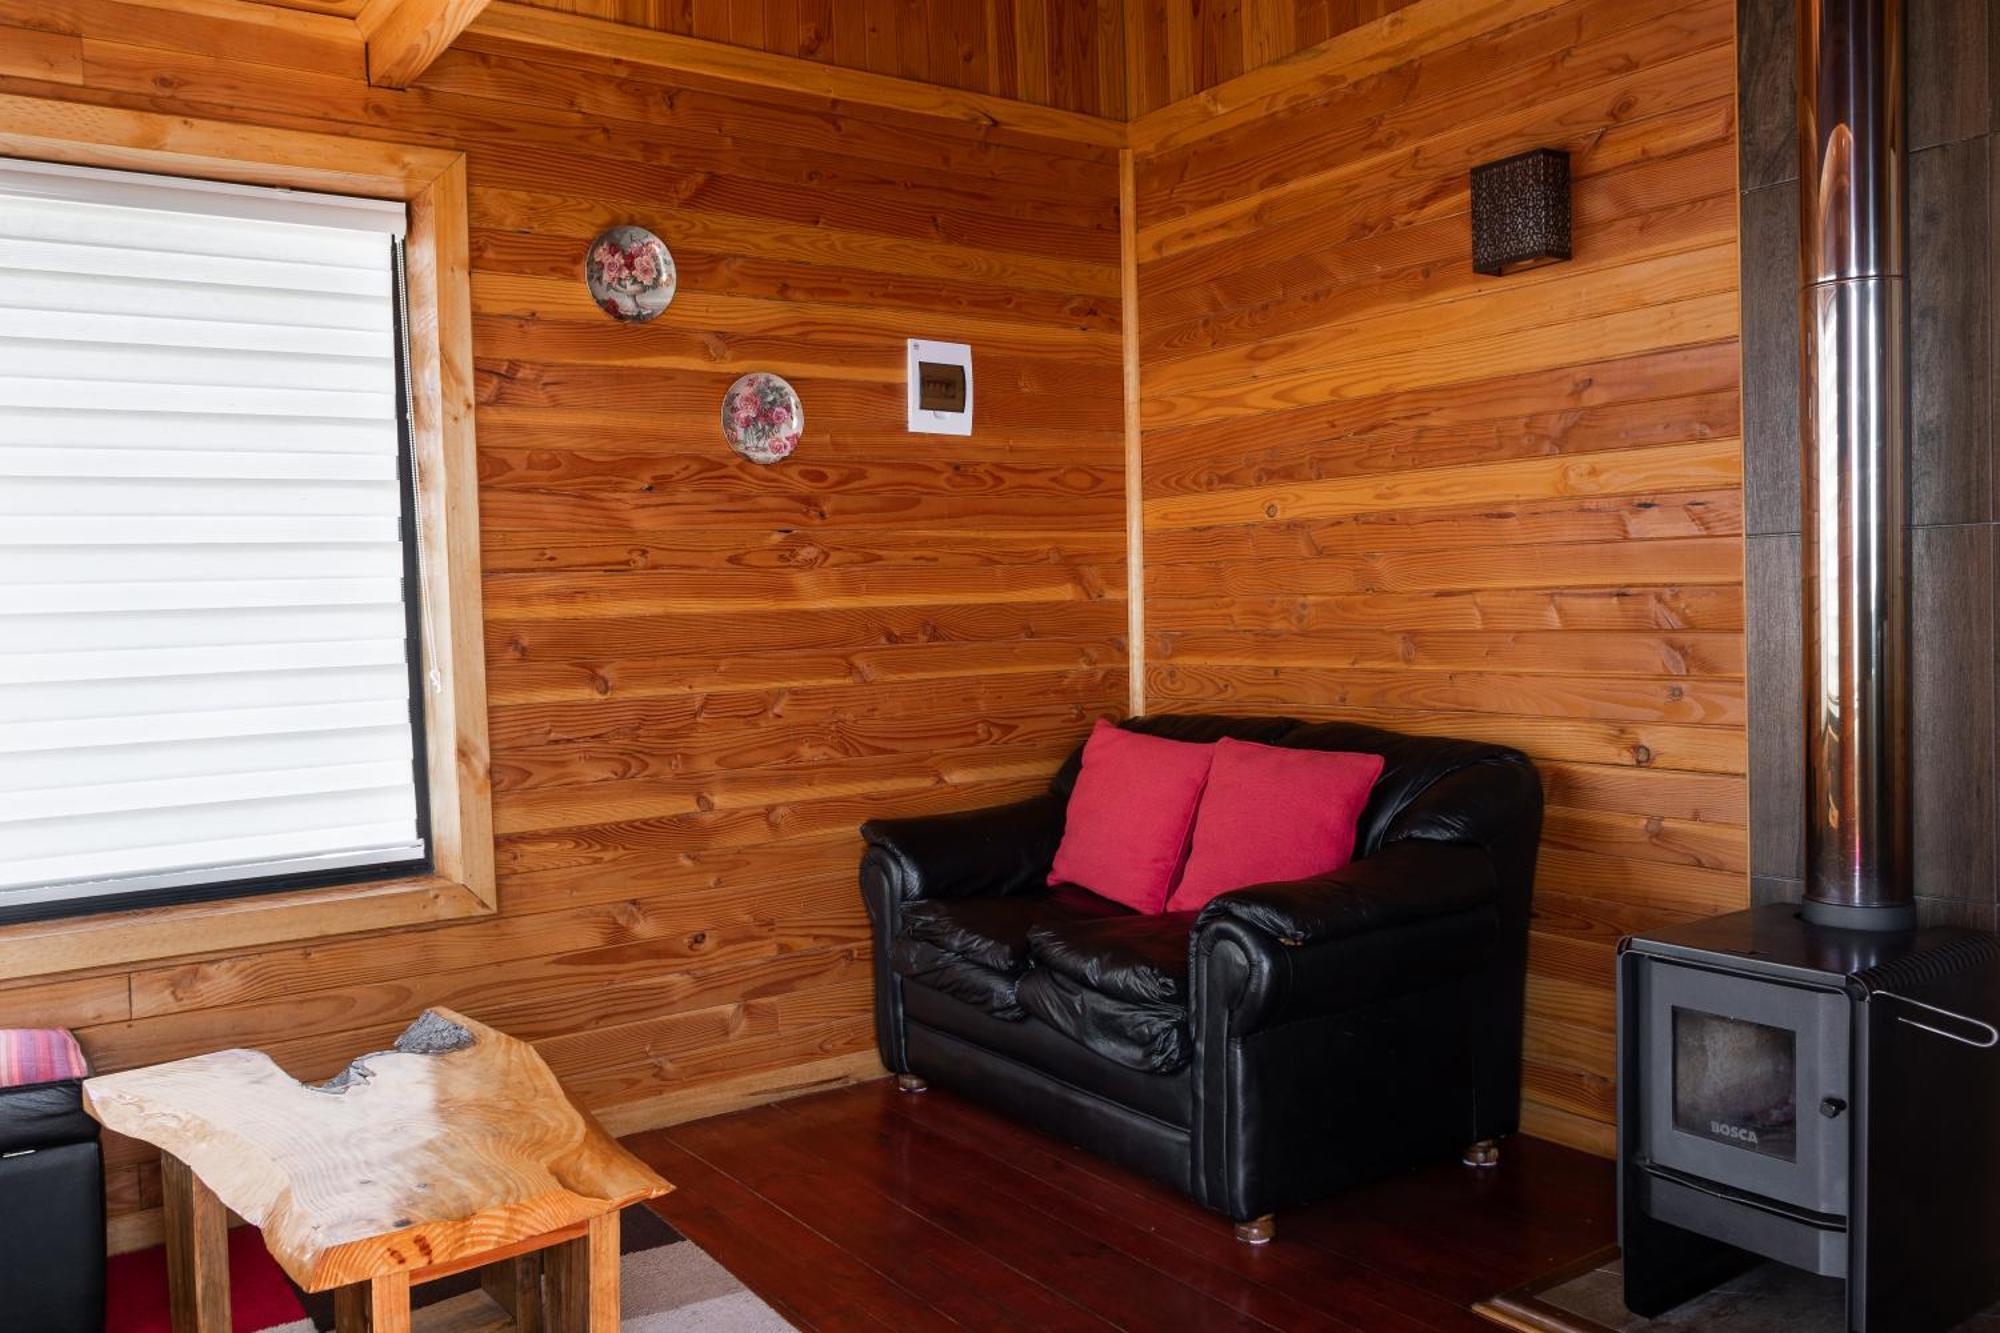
(41, 1090)
(1125, 833)
(1164, 1097)
(1140, 959)
(993, 932)
(1200, 728)
(1410, 764)
(1117, 985)
(39, 1055)
(1272, 814)
(1149, 1037)
(950, 973)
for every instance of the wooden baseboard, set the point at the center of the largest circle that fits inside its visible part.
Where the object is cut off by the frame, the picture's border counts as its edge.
(724, 1095)
(1569, 1129)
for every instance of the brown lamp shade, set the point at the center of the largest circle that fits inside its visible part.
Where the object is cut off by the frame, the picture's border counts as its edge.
(1520, 211)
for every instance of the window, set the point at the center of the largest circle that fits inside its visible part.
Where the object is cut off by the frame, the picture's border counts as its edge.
(211, 647)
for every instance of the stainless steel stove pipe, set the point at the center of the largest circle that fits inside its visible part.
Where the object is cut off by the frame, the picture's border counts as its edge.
(1853, 413)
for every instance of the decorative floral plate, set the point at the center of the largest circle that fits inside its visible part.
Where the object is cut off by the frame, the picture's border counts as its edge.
(631, 274)
(762, 418)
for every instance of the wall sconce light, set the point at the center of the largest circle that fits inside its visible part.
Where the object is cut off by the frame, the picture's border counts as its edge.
(1520, 211)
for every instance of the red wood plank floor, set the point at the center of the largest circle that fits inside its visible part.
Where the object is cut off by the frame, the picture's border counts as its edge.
(866, 1208)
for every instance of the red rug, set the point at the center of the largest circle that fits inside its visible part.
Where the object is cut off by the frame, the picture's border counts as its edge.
(260, 1295)
(669, 1286)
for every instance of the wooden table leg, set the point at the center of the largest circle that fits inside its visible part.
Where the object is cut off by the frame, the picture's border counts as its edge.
(580, 1281)
(379, 1305)
(516, 1287)
(197, 1251)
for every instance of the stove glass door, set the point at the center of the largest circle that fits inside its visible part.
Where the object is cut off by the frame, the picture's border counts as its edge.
(1736, 1082)
(1735, 1071)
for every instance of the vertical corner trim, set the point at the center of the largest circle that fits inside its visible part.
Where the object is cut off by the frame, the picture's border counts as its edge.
(1135, 499)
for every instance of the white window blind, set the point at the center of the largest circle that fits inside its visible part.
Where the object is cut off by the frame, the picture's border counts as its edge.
(204, 665)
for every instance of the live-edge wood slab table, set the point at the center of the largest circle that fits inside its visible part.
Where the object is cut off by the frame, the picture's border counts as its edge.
(457, 1149)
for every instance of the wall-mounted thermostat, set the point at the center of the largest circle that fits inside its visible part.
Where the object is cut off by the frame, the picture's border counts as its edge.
(940, 388)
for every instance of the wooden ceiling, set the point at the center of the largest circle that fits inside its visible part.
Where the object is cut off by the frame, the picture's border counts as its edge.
(1061, 53)
(1182, 47)
(1112, 58)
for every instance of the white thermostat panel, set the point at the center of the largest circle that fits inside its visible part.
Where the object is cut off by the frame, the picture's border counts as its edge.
(940, 388)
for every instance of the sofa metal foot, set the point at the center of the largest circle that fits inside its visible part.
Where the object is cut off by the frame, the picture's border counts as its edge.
(911, 1083)
(1258, 1230)
(1486, 1152)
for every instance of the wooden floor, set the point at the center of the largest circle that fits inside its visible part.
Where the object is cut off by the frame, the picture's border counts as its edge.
(866, 1208)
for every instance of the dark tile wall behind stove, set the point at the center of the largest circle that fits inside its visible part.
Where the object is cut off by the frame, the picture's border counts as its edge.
(1954, 113)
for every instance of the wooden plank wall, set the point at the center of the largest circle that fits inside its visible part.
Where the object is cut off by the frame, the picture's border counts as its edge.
(1379, 486)
(1062, 53)
(703, 673)
(1178, 48)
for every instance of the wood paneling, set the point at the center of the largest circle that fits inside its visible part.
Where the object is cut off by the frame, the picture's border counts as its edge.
(703, 674)
(1378, 486)
(1060, 53)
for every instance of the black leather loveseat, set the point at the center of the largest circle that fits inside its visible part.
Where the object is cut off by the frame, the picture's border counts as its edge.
(51, 1188)
(1284, 1042)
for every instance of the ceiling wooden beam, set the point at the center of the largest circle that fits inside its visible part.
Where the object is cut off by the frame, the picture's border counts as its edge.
(255, 34)
(405, 36)
(601, 39)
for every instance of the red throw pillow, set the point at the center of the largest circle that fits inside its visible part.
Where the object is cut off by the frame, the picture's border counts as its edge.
(1126, 832)
(1272, 814)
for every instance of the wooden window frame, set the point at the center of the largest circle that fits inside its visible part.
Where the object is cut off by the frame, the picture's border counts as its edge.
(432, 182)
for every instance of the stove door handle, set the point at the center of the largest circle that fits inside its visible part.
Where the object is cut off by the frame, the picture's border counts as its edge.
(1988, 1038)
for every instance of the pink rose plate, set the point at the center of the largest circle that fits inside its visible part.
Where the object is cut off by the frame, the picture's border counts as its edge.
(631, 274)
(762, 418)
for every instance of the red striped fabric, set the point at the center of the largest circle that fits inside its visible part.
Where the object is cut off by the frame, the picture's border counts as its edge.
(39, 1055)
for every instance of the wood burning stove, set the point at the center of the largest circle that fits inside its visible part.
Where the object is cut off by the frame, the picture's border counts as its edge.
(1827, 1098)
(1820, 1085)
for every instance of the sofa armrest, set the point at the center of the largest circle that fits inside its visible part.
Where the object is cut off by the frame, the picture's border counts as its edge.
(993, 852)
(1405, 882)
(1299, 992)
(1410, 914)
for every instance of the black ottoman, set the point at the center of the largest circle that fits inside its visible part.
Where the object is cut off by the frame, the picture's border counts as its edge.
(51, 1187)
